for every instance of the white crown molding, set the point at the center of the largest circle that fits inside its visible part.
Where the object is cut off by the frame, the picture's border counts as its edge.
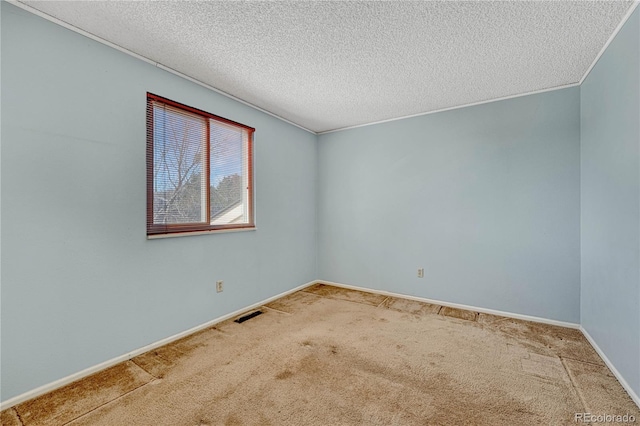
(50, 18)
(488, 101)
(147, 60)
(613, 36)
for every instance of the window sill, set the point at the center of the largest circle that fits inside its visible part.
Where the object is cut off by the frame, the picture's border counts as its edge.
(186, 234)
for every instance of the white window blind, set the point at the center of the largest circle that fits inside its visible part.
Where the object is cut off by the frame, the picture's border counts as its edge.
(199, 170)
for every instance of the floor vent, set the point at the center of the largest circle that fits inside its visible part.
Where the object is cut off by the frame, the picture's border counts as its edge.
(248, 317)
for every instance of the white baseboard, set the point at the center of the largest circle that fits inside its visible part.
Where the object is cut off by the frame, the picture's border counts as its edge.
(590, 339)
(125, 357)
(457, 305)
(109, 363)
(634, 396)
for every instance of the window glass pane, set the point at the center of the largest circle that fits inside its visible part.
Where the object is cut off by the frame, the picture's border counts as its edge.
(179, 186)
(228, 191)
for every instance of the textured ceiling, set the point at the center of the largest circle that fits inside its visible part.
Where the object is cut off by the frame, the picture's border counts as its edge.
(329, 65)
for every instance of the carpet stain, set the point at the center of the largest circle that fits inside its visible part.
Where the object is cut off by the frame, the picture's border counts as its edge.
(9, 417)
(548, 339)
(458, 313)
(284, 375)
(154, 363)
(345, 294)
(160, 361)
(232, 420)
(294, 302)
(71, 401)
(489, 318)
(412, 307)
(409, 398)
(334, 362)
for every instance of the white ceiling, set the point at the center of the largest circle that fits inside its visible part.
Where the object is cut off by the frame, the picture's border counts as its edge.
(328, 65)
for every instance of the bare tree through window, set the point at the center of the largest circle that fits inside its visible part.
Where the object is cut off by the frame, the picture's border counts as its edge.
(201, 170)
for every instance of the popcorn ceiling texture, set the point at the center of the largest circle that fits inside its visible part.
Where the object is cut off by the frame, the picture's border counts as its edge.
(329, 65)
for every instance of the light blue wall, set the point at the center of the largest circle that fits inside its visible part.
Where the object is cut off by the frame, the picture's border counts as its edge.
(81, 284)
(610, 197)
(485, 198)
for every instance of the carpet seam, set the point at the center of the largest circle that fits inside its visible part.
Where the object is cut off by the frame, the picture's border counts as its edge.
(18, 415)
(382, 303)
(347, 300)
(339, 298)
(587, 362)
(573, 385)
(108, 402)
(102, 405)
(500, 319)
(508, 336)
(143, 369)
(277, 310)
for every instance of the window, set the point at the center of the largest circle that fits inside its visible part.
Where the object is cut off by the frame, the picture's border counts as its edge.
(199, 170)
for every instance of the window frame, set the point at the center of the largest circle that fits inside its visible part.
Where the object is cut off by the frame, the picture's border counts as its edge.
(154, 229)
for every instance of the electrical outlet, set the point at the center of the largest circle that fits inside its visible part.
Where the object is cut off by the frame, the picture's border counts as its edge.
(421, 273)
(219, 286)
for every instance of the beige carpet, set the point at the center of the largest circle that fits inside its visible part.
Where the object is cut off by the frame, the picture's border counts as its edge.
(330, 356)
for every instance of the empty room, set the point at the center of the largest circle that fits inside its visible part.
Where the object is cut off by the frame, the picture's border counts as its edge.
(319, 212)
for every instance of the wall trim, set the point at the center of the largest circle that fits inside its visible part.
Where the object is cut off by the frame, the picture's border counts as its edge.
(632, 8)
(634, 396)
(94, 37)
(49, 387)
(591, 340)
(458, 305)
(34, 393)
(87, 34)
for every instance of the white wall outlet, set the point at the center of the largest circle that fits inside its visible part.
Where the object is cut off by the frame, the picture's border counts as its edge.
(219, 286)
(420, 272)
